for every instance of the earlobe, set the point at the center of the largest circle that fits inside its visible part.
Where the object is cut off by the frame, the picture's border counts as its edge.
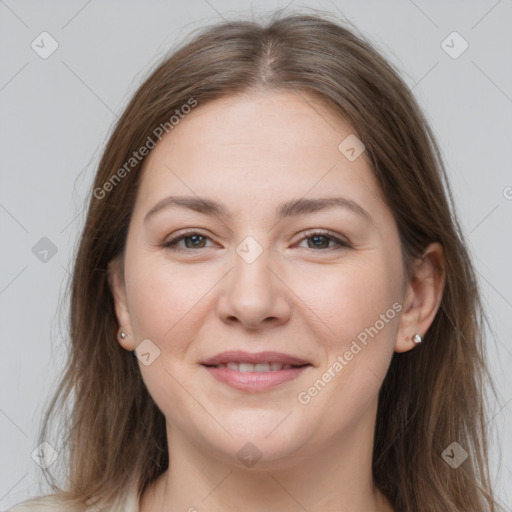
(422, 298)
(118, 289)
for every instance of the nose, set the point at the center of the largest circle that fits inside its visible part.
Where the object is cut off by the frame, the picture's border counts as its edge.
(255, 295)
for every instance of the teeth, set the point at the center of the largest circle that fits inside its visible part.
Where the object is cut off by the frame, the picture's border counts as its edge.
(259, 367)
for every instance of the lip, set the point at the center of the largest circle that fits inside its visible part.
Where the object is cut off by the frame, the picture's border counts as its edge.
(235, 356)
(255, 381)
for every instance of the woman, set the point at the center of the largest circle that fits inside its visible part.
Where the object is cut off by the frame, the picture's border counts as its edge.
(270, 234)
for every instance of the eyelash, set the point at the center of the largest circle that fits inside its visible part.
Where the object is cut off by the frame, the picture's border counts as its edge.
(172, 244)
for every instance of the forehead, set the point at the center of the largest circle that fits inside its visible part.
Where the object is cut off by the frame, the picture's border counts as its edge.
(256, 145)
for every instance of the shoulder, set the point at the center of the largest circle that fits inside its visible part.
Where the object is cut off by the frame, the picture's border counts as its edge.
(53, 503)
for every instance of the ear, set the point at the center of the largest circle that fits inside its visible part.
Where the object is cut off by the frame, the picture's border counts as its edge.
(422, 296)
(118, 289)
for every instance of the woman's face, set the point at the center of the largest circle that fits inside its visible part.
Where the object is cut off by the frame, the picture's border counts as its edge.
(310, 293)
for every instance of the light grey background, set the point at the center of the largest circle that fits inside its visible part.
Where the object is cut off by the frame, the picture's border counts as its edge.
(57, 112)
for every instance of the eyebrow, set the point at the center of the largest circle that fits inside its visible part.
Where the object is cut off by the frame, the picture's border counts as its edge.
(289, 209)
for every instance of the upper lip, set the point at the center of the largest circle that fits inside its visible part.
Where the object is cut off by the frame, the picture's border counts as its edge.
(238, 356)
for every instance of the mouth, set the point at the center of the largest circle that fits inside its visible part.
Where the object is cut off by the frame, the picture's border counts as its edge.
(255, 371)
(273, 366)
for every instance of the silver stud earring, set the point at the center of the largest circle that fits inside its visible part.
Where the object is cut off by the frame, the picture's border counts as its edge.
(417, 338)
(122, 335)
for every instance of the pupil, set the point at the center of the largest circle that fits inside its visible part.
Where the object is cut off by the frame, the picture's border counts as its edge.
(319, 238)
(318, 241)
(194, 239)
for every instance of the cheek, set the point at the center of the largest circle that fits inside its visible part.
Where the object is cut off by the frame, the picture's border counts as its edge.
(166, 305)
(357, 312)
(342, 301)
(163, 297)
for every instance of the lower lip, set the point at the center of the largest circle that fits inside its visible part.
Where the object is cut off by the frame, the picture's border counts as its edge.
(254, 381)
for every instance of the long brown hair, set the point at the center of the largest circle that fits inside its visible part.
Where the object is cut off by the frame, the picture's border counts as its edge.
(432, 396)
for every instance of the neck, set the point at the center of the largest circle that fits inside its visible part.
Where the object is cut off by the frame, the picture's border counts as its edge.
(336, 478)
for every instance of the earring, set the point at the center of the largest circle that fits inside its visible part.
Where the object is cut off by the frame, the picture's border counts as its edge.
(122, 335)
(417, 338)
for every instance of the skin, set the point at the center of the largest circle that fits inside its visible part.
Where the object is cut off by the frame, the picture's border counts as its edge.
(301, 297)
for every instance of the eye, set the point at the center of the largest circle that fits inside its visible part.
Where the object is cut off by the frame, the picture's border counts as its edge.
(322, 239)
(193, 240)
(317, 240)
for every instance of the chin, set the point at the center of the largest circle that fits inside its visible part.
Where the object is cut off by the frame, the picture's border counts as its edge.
(260, 445)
